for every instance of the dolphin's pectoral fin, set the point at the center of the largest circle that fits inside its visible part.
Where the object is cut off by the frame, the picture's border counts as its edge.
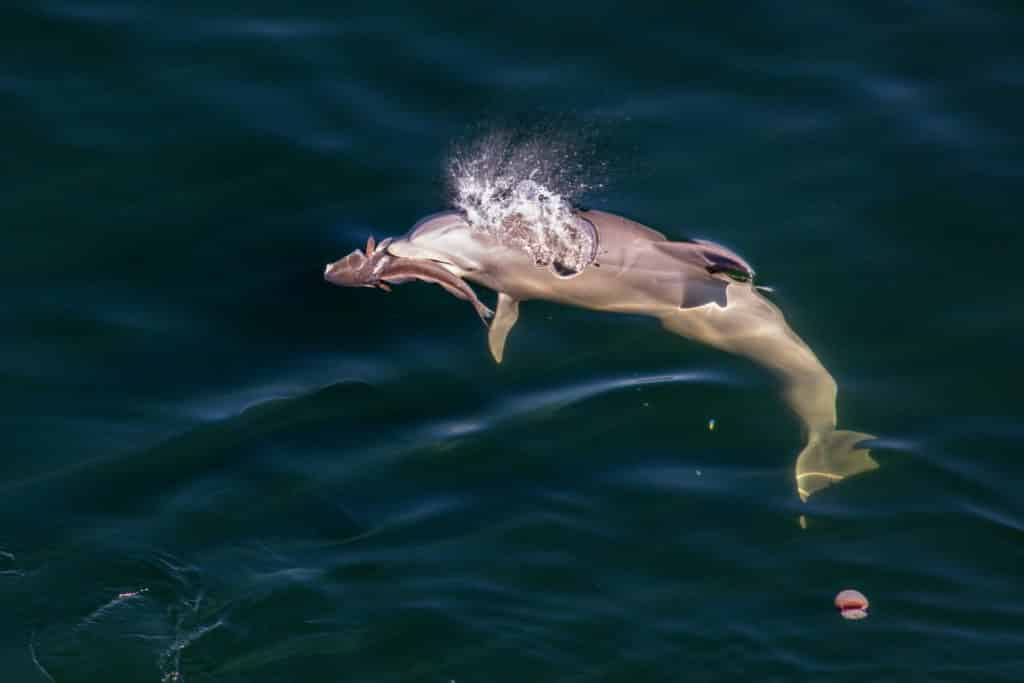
(504, 319)
(830, 458)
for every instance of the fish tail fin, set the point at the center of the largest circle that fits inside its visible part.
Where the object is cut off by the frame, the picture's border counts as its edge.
(829, 458)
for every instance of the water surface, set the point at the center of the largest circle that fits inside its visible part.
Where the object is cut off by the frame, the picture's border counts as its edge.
(219, 468)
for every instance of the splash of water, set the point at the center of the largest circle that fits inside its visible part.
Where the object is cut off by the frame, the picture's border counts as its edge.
(520, 189)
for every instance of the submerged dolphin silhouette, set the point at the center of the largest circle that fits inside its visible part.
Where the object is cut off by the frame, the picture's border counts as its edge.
(698, 290)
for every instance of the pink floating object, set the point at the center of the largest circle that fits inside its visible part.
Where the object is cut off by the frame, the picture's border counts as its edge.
(852, 604)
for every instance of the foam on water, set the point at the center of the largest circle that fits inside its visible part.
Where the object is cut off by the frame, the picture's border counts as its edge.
(521, 189)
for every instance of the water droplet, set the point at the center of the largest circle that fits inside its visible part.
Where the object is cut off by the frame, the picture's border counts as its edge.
(519, 191)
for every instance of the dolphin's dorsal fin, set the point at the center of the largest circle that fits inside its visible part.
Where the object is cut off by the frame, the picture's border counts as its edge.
(505, 317)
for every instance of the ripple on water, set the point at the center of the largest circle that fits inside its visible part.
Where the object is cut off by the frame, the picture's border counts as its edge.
(313, 376)
(552, 399)
(150, 626)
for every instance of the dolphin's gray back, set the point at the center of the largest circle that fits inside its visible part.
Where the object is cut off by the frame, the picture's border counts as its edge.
(616, 232)
(620, 227)
(437, 223)
(639, 268)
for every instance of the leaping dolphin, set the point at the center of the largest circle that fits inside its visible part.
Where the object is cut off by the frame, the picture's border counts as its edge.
(697, 289)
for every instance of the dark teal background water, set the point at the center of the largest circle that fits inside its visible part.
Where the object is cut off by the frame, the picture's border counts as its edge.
(317, 484)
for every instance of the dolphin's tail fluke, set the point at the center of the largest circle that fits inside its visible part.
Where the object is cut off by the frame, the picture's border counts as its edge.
(829, 458)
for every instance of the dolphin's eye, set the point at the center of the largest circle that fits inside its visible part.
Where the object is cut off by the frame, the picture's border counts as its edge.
(727, 266)
(737, 275)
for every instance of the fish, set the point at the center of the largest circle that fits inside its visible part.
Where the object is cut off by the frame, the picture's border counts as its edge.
(377, 268)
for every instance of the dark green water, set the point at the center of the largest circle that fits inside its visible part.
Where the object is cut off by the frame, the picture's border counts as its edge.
(315, 484)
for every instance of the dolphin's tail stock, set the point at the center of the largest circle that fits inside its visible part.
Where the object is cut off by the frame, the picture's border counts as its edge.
(829, 458)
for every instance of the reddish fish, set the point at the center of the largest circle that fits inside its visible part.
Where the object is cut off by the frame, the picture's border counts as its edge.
(852, 604)
(378, 268)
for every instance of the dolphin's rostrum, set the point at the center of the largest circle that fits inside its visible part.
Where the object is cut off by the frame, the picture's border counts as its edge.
(697, 289)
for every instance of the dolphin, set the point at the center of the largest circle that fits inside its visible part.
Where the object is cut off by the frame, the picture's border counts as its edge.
(696, 289)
